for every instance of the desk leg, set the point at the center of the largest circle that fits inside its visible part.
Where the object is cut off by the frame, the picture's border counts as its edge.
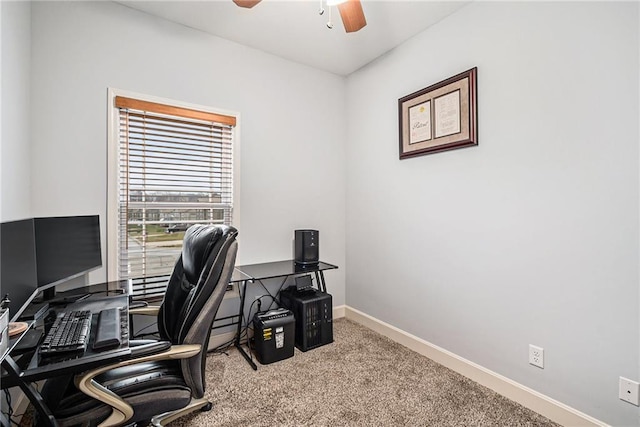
(46, 417)
(239, 331)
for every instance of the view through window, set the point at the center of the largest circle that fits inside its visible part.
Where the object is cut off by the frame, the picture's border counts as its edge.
(175, 170)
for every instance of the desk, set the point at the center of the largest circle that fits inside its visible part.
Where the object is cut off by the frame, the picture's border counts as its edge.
(23, 370)
(271, 270)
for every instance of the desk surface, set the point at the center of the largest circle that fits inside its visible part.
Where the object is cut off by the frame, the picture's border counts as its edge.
(238, 276)
(33, 367)
(269, 270)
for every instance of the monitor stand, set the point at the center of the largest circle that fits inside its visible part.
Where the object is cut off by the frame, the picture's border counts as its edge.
(49, 294)
(49, 297)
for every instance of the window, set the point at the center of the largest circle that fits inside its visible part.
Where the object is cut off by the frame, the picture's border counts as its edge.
(174, 168)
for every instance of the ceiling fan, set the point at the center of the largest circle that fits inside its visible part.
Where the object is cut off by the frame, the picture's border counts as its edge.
(350, 11)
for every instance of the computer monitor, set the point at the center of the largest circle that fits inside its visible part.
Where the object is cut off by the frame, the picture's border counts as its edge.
(37, 254)
(66, 247)
(18, 272)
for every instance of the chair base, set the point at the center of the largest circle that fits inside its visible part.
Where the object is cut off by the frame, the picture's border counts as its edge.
(195, 404)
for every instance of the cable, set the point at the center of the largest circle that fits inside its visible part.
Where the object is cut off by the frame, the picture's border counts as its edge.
(267, 291)
(248, 323)
(246, 318)
(10, 413)
(222, 348)
(273, 298)
(259, 301)
(7, 397)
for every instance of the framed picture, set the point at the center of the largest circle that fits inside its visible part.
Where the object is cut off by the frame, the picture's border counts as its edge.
(440, 117)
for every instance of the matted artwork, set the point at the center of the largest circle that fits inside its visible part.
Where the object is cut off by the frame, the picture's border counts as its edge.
(440, 117)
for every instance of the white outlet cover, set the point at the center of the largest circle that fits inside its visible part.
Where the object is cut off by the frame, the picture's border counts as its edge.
(536, 356)
(629, 391)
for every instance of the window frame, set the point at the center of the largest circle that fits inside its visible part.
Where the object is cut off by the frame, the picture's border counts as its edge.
(113, 166)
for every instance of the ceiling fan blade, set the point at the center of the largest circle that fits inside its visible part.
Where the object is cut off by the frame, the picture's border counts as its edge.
(246, 3)
(352, 15)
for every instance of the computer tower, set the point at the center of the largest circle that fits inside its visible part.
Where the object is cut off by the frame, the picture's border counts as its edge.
(313, 311)
(273, 334)
(307, 244)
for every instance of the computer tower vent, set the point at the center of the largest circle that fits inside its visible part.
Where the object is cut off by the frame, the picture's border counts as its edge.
(313, 312)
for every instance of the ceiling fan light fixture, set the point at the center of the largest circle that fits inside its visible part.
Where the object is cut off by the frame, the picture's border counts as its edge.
(352, 15)
(330, 23)
(350, 11)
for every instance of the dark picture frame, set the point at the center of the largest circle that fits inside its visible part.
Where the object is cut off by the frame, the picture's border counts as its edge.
(441, 117)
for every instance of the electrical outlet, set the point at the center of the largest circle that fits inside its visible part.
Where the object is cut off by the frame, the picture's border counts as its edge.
(629, 391)
(536, 356)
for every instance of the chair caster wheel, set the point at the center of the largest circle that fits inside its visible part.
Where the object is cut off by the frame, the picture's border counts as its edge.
(207, 407)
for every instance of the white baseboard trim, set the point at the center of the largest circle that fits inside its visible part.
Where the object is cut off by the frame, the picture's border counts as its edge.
(20, 401)
(219, 339)
(529, 398)
(339, 311)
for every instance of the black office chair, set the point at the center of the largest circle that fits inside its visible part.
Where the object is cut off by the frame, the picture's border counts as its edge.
(167, 384)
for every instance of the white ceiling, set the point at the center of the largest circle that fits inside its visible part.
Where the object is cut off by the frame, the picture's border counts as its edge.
(294, 29)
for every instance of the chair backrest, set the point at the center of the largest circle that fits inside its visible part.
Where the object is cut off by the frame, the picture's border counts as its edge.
(195, 291)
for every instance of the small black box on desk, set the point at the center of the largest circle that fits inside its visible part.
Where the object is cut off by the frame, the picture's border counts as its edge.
(273, 334)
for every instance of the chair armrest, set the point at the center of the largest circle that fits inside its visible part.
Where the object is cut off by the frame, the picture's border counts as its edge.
(122, 411)
(151, 310)
(149, 348)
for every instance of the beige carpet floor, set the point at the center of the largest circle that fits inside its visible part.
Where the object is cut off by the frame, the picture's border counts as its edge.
(361, 379)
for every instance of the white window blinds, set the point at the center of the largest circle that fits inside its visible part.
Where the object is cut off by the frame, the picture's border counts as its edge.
(175, 170)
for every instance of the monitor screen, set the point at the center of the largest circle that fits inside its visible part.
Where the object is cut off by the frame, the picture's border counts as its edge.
(18, 274)
(66, 247)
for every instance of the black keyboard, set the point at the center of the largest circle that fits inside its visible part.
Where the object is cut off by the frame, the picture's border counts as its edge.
(68, 334)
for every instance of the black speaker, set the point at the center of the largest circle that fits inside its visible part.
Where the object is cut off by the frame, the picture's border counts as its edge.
(306, 247)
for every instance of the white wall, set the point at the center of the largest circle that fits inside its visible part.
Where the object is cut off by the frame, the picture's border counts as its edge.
(529, 238)
(292, 132)
(15, 170)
